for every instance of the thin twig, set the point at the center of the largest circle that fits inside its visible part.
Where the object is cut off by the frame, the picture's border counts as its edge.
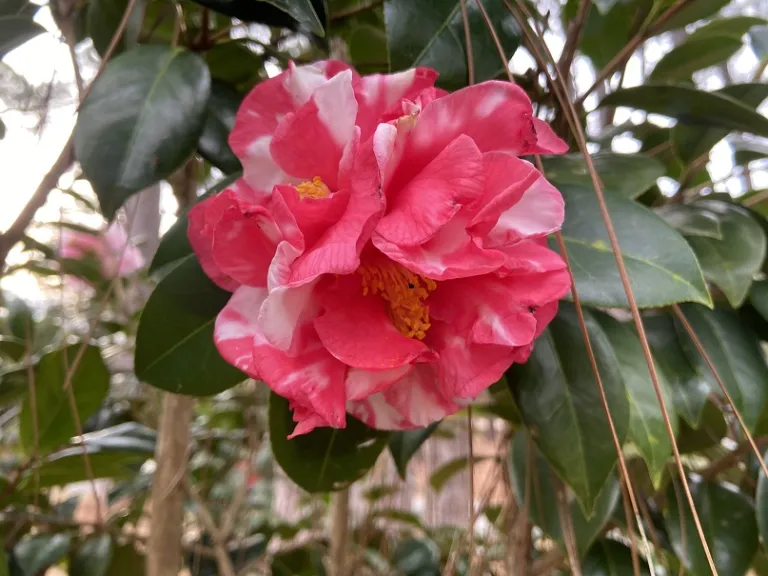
(572, 119)
(32, 391)
(566, 526)
(700, 347)
(223, 561)
(468, 43)
(572, 40)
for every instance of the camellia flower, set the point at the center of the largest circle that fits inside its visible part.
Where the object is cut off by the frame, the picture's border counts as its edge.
(115, 255)
(385, 246)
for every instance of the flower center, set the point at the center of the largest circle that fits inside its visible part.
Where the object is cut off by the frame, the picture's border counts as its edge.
(314, 188)
(404, 291)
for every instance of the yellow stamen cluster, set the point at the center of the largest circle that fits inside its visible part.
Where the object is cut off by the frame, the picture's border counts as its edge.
(404, 291)
(314, 188)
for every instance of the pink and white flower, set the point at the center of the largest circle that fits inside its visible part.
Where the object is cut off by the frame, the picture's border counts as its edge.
(385, 246)
(116, 256)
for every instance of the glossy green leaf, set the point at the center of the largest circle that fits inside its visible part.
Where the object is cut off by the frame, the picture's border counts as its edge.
(448, 470)
(398, 516)
(431, 33)
(15, 31)
(174, 341)
(55, 423)
(543, 497)
(758, 297)
(416, 558)
(92, 557)
(174, 245)
(325, 459)
(303, 561)
(103, 19)
(711, 430)
(735, 353)
(647, 430)
(626, 174)
(661, 265)
(693, 55)
(691, 106)
(404, 444)
(34, 555)
(277, 13)
(691, 142)
(688, 386)
(235, 64)
(728, 520)
(735, 26)
(691, 13)
(559, 401)
(126, 562)
(13, 386)
(141, 121)
(610, 558)
(214, 145)
(691, 221)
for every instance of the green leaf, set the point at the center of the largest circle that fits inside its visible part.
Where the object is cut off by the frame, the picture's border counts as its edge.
(559, 400)
(303, 561)
(688, 386)
(712, 428)
(691, 106)
(12, 348)
(405, 443)
(326, 459)
(103, 19)
(693, 55)
(15, 31)
(736, 26)
(55, 423)
(214, 145)
(233, 63)
(543, 497)
(174, 342)
(758, 297)
(275, 13)
(416, 558)
(34, 555)
(647, 430)
(21, 321)
(661, 265)
(448, 470)
(92, 557)
(174, 245)
(398, 516)
(626, 174)
(761, 502)
(693, 12)
(731, 262)
(691, 221)
(735, 353)
(141, 121)
(432, 34)
(610, 558)
(728, 520)
(13, 386)
(691, 142)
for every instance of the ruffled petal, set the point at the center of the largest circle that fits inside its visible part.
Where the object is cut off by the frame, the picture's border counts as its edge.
(363, 383)
(531, 256)
(311, 142)
(358, 331)
(310, 377)
(416, 213)
(203, 218)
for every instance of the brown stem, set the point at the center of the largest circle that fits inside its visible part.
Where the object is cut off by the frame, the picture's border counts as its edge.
(223, 561)
(572, 41)
(164, 551)
(339, 532)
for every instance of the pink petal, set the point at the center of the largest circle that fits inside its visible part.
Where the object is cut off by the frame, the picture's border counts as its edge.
(357, 330)
(338, 250)
(547, 142)
(203, 218)
(311, 142)
(363, 383)
(244, 241)
(452, 179)
(531, 256)
(378, 93)
(313, 216)
(452, 253)
(283, 310)
(414, 401)
(535, 289)
(310, 377)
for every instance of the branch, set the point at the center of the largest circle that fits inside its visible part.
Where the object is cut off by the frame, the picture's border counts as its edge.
(223, 560)
(731, 459)
(573, 39)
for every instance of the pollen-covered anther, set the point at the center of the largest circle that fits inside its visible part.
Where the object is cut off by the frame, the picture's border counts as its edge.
(314, 188)
(404, 292)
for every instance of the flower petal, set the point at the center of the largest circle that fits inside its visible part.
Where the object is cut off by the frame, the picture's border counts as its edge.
(363, 383)
(425, 204)
(531, 256)
(357, 330)
(311, 142)
(310, 377)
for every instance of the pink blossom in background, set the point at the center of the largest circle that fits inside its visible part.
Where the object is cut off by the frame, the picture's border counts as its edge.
(385, 246)
(116, 256)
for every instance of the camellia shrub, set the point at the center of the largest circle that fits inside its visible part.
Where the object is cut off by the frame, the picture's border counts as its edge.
(398, 221)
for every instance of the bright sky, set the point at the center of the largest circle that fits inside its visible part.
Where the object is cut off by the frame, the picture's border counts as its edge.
(25, 156)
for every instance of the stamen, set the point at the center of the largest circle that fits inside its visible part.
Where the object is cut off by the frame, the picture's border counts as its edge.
(404, 291)
(314, 188)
